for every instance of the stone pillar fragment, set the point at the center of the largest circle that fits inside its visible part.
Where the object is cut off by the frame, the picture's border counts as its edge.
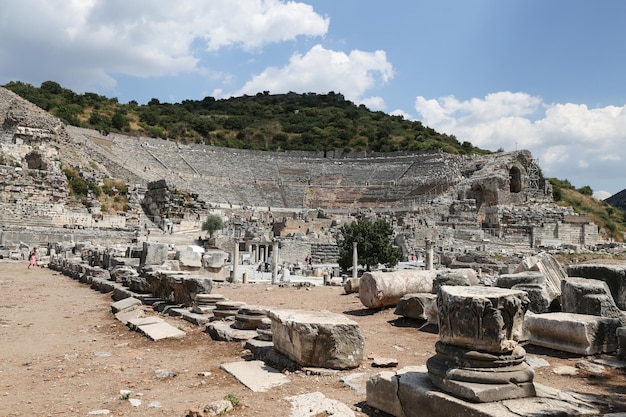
(274, 261)
(355, 260)
(236, 262)
(478, 357)
(384, 289)
(429, 255)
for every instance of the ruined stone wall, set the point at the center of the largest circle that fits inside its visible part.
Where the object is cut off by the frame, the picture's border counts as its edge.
(165, 205)
(293, 251)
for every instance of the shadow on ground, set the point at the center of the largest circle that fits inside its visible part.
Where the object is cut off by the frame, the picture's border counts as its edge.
(370, 411)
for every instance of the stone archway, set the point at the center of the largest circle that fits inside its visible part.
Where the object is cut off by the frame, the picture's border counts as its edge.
(515, 180)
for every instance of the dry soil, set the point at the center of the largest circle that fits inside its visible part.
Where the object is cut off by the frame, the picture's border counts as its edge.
(63, 353)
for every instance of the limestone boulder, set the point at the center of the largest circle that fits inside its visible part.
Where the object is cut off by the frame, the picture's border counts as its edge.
(351, 285)
(191, 257)
(613, 275)
(177, 287)
(549, 267)
(459, 277)
(581, 334)
(535, 285)
(419, 306)
(139, 284)
(153, 253)
(589, 296)
(317, 338)
(384, 289)
(123, 274)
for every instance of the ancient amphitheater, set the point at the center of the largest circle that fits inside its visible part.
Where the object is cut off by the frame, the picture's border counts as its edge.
(504, 192)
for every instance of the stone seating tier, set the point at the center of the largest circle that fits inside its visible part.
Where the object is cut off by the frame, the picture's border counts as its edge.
(292, 179)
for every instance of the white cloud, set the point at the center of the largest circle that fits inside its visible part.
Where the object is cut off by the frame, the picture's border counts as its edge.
(571, 141)
(322, 70)
(373, 103)
(400, 112)
(83, 42)
(601, 195)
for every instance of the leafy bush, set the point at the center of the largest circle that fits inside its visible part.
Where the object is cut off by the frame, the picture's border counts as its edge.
(289, 121)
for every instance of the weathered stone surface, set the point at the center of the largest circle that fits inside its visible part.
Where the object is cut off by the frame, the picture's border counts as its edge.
(351, 285)
(138, 283)
(384, 289)
(191, 257)
(538, 297)
(477, 356)
(525, 277)
(420, 306)
(534, 283)
(153, 253)
(409, 393)
(483, 318)
(613, 275)
(214, 258)
(621, 340)
(220, 330)
(481, 377)
(177, 287)
(589, 296)
(129, 303)
(123, 274)
(550, 268)
(159, 331)
(319, 339)
(576, 333)
(255, 375)
(316, 404)
(459, 277)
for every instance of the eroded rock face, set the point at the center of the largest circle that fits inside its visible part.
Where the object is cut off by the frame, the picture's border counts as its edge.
(317, 339)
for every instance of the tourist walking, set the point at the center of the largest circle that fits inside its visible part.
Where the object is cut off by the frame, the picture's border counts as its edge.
(33, 258)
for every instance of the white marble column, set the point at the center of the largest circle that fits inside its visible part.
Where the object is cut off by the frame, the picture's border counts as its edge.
(274, 260)
(355, 260)
(236, 261)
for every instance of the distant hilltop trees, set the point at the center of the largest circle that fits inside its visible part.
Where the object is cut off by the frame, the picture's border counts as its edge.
(271, 122)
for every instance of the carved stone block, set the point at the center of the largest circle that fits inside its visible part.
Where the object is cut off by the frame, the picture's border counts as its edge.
(482, 318)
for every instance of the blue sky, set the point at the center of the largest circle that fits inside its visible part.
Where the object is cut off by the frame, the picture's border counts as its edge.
(547, 76)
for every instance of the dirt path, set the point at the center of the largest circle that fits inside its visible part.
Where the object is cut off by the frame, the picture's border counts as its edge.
(63, 353)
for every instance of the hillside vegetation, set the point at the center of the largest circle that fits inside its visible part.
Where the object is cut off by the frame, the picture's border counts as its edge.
(611, 220)
(311, 122)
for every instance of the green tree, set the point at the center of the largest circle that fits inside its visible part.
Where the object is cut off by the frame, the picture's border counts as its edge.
(212, 224)
(374, 244)
(585, 190)
(119, 120)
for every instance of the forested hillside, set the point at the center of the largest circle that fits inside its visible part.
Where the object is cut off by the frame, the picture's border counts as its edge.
(313, 122)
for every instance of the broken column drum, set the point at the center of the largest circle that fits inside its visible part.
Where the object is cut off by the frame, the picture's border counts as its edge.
(478, 357)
